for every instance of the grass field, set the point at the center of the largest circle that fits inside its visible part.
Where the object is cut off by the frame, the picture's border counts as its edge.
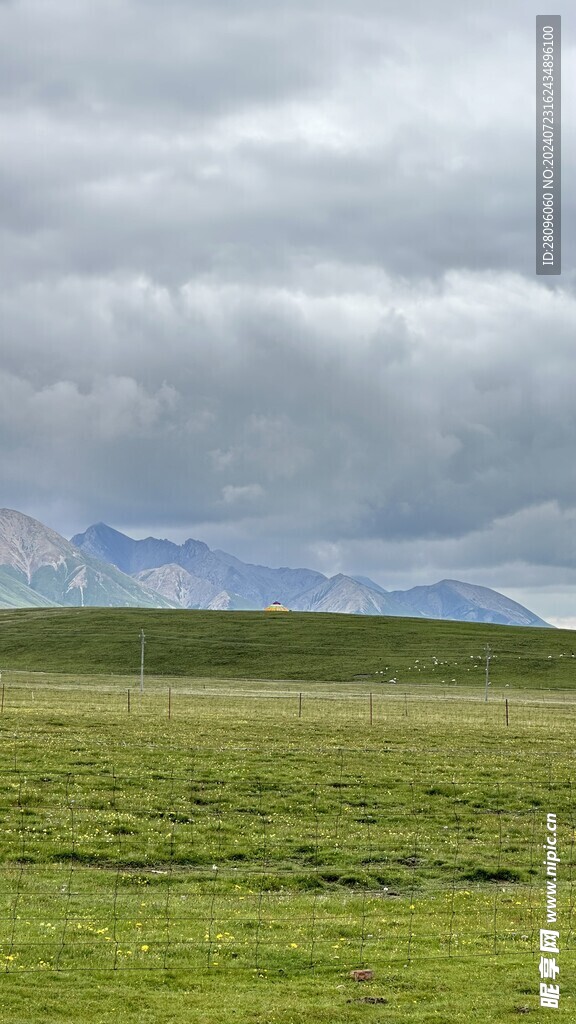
(300, 646)
(224, 849)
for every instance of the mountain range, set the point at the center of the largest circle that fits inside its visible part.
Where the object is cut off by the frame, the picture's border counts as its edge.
(103, 567)
(39, 568)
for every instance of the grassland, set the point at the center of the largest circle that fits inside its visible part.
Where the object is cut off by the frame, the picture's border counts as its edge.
(221, 849)
(300, 646)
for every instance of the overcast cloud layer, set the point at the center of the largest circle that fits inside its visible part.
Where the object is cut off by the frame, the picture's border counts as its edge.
(268, 281)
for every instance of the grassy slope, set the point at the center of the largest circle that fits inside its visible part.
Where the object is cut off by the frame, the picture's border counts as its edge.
(111, 823)
(14, 593)
(304, 646)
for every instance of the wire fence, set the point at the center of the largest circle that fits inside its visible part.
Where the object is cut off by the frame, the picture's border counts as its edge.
(182, 698)
(277, 829)
(201, 870)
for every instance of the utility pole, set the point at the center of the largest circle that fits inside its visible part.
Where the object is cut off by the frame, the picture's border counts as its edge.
(488, 656)
(142, 643)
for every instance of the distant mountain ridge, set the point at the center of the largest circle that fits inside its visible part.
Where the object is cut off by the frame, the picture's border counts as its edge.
(194, 576)
(256, 584)
(39, 568)
(452, 599)
(106, 568)
(344, 594)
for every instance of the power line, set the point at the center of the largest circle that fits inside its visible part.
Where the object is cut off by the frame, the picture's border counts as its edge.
(142, 645)
(488, 656)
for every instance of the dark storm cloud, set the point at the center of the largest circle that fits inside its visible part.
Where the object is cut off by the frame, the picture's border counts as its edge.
(165, 63)
(393, 412)
(268, 276)
(181, 139)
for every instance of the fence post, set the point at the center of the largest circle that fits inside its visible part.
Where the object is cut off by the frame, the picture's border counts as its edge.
(507, 722)
(128, 700)
(299, 705)
(2, 708)
(169, 702)
(371, 716)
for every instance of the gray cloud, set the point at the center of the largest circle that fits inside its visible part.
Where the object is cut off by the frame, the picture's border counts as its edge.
(269, 280)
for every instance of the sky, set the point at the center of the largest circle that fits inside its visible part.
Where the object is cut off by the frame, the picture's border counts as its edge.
(267, 279)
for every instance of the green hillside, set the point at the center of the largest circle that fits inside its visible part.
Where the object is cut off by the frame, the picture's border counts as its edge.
(102, 585)
(306, 646)
(235, 861)
(15, 593)
(214, 853)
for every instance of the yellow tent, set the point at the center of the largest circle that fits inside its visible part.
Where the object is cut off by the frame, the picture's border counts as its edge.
(276, 607)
